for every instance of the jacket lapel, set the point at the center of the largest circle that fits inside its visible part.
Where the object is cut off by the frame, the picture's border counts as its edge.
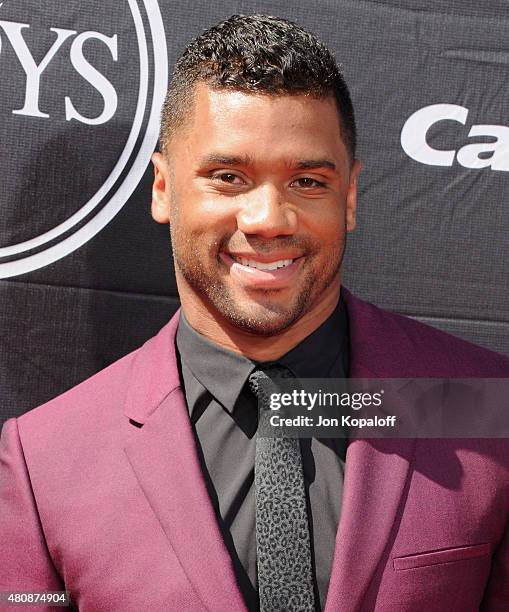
(376, 473)
(375, 477)
(164, 459)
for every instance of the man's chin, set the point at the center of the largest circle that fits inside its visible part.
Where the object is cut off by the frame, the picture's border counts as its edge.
(262, 321)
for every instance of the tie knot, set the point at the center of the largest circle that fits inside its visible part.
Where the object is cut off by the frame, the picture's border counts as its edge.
(271, 373)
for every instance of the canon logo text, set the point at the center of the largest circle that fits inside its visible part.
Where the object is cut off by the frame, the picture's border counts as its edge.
(495, 155)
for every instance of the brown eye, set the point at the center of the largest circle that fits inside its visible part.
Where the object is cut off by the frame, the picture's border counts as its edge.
(307, 182)
(228, 178)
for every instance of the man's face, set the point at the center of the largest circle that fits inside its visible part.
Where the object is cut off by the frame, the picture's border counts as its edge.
(259, 194)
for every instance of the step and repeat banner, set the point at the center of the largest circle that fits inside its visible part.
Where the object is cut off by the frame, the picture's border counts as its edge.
(86, 275)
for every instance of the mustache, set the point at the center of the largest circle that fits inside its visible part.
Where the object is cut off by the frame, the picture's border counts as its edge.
(266, 246)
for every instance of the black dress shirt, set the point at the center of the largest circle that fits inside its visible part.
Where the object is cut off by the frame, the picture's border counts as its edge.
(224, 417)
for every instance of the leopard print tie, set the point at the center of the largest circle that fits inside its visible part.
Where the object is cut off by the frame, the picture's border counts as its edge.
(283, 546)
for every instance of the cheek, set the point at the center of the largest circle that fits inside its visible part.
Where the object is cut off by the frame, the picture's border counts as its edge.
(327, 225)
(207, 214)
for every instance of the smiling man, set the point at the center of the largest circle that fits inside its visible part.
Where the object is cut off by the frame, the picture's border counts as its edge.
(147, 486)
(259, 191)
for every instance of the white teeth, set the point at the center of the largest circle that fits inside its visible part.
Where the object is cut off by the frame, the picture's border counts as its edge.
(273, 265)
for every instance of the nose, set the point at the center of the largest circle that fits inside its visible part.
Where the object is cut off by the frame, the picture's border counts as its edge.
(265, 213)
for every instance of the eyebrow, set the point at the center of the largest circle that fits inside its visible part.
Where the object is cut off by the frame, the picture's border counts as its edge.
(313, 164)
(246, 160)
(226, 160)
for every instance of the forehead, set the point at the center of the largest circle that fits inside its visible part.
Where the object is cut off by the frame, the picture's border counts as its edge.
(268, 127)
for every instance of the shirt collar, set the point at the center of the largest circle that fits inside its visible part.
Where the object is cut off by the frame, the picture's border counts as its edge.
(317, 355)
(224, 373)
(221, 372)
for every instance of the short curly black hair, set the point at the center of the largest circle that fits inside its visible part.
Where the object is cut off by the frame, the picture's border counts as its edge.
(258, 54)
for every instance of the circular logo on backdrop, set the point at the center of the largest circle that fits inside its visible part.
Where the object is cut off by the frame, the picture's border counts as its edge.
(83, 88)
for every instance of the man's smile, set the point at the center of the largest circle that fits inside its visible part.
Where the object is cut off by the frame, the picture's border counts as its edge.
(267, 272)
(273, 265)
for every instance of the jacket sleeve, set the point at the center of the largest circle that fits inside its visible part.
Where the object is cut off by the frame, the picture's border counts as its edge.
(496, 598)
(26, 563)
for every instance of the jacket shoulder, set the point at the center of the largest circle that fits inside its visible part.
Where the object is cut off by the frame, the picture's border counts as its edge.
(100, 407)
(415, 349)
(96, 398)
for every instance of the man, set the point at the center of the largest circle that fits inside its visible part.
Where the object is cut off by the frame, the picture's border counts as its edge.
(146, 487)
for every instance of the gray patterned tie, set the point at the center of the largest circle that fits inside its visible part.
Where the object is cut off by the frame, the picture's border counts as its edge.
(283, 546)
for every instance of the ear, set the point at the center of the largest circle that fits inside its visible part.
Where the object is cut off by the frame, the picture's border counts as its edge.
(160, 189)
(351, 196)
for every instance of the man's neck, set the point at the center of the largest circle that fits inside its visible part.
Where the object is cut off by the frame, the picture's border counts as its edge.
(256, 347)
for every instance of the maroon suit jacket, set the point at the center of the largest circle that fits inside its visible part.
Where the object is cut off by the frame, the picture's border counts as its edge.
(101, 492)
